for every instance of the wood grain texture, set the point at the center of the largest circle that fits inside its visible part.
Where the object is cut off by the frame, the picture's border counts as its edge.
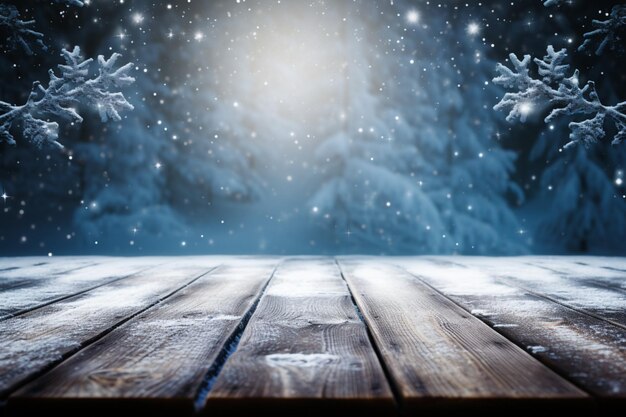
(592, 291)
(155, 342)
(599, 263)
(155, 363)
(36, 340)
(34, 262)
(585, 350)
(15, 274)
(304, 352)
(25, 289)
(442, 359)
(610, 275)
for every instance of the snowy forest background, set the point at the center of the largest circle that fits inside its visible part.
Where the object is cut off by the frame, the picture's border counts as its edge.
(311, 127)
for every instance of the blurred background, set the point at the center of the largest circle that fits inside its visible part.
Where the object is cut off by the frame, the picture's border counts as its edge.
(312, 127)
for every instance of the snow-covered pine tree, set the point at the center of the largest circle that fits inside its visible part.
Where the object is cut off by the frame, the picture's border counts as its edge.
(125, 188)
(582, 209)
(369, 195)
(580, 205)
(473, 169)
(185, 148)
(45, 185)
(430, 176)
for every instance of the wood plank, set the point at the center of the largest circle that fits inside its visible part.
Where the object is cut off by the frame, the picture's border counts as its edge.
(13, 274)
(566, 288)
(304, 352)
(12, 263)
(12, 268)
(31, 343)
(49, 283)
(608, 274)
(15, 262)
(156, 363)
(587, 351)
(610, 263)
(444, 360)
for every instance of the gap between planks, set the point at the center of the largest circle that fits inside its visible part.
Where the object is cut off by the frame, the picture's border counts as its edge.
(565, 272)
(44, 393)
(230, 346)
(395, 389)
(518, 283)
(502, 373)
(44, 303)
(83, 344)
(305, 351)
(565, 304)
(572, 352)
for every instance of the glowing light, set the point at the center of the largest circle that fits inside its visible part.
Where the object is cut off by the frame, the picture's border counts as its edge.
(618, 182)
(525, 108)
(412, 16)
(198, 36)
(4, 196)
(473, 28)
(292, 70)
(137, 18)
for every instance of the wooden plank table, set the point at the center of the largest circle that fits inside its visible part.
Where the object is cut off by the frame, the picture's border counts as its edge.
(312, 336)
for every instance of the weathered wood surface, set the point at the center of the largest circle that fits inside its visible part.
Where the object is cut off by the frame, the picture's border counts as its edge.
(434, 335)
(587, 351)
(163, 354)
(26, 288)
(439, 356)
(588, 272)
(561, 281)
(32, 342)
(11, 264)
(25, 271)
(305, 352)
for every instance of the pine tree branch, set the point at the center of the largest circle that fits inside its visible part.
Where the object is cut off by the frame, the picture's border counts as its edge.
(608, 33)
(63, 93)
(76, 3)
(560, 93)
(18, 33)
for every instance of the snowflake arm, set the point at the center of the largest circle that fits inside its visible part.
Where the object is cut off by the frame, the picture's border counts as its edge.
(561, 94)
(74, 86)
